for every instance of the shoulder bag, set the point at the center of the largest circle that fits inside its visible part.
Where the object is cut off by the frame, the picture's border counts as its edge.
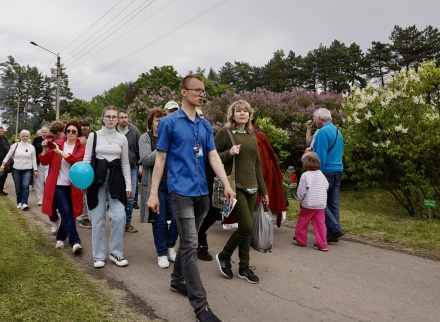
(10, 163)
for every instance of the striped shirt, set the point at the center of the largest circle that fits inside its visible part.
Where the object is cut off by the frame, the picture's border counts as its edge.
(312, 190)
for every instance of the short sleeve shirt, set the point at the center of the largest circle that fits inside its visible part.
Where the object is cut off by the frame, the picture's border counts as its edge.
(177, 137)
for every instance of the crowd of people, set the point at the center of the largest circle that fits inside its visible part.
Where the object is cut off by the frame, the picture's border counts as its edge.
(176, 160)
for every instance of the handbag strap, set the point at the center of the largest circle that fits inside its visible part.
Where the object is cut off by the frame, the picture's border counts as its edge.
(15, 149)
(336, 138)
(233, 158)
(94, 144)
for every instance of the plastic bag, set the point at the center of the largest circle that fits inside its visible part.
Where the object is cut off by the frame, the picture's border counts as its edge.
(262, 235)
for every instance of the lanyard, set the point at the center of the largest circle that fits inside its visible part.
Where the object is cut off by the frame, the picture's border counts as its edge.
(194, 129)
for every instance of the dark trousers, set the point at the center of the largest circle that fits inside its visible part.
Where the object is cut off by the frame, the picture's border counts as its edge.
(241, 238)
(63, 201)
(3, 178)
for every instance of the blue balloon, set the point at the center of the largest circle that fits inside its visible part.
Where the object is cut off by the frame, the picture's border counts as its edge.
(81, 175)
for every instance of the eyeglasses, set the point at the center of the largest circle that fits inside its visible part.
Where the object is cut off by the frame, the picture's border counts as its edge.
(197, 90)
(110, 117)
(71, 131)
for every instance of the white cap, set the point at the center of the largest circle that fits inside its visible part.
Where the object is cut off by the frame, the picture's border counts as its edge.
(171, 105)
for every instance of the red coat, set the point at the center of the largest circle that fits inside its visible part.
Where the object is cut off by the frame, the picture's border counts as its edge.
(273, 177)
(54, 161)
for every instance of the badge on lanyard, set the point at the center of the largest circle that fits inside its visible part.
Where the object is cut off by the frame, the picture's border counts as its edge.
(198, 151)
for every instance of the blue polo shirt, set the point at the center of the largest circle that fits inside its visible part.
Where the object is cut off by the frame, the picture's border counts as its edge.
(177, 137)
(331, 161)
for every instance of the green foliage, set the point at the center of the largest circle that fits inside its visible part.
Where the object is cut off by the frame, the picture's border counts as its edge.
(392, 136)
(157, 78)
(279, 138)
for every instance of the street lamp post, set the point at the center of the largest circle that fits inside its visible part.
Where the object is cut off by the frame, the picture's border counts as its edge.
(57, 111)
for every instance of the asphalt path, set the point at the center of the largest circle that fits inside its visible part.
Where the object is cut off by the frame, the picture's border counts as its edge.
(350, 282)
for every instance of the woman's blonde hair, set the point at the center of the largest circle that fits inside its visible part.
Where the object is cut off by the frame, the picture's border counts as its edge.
(240, 104)
(310, 161)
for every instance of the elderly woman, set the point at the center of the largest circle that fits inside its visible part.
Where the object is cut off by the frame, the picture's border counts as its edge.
(248, 180)
(112, 183)
(25, 164)
(58, 191)
(164, 236)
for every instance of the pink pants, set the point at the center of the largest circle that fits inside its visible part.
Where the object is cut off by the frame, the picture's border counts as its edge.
(317, 217)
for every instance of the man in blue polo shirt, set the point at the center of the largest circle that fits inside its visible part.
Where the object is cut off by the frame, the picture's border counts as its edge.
(329, 145)
(186, 143)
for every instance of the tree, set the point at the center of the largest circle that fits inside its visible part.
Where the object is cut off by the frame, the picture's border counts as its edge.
(11, 93)
(275, 72)
(379, 59)
(411, 46)
(157, 78)
(392, 136)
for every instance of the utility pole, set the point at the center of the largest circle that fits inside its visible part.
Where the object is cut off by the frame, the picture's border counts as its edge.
(57, 107)
(57, 113)
(18, 113)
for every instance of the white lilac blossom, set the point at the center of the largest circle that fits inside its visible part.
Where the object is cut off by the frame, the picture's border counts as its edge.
(368, 115)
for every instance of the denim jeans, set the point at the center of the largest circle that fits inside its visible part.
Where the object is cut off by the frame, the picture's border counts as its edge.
(22, 180)
(164, 237)
(241, 238)
(189, 212)
(130, 201)
(332, 210)
(85, 213)
(116, 215)
(63, 202)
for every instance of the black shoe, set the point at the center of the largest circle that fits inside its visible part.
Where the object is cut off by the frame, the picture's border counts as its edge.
(248, 275)
(135, 205)
(224, 265)
(180, 288)
(202, 253)
(333, 238)
(206, 315)
(298, 243)
(318, 248)
(2, 193)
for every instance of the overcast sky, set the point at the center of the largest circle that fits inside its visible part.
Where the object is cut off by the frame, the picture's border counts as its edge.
(188, 34)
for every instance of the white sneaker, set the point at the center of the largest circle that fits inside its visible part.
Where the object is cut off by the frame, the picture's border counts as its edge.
(19, 206)
(59, 244)
(118, 260)
(76, 249)
(54, 227)
(99, 264)
(39, 203)
(171, 254)
(24, 207)
(162, 262)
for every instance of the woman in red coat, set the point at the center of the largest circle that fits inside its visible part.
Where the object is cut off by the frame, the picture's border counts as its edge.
(59, 193)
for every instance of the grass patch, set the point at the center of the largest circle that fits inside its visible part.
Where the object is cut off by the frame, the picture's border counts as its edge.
(38, 283)
(373, 216)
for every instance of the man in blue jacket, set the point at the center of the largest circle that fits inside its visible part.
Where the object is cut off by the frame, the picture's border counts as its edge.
(329, 145)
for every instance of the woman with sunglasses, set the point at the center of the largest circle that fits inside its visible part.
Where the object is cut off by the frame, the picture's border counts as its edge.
(59, 193)
(112, 182)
